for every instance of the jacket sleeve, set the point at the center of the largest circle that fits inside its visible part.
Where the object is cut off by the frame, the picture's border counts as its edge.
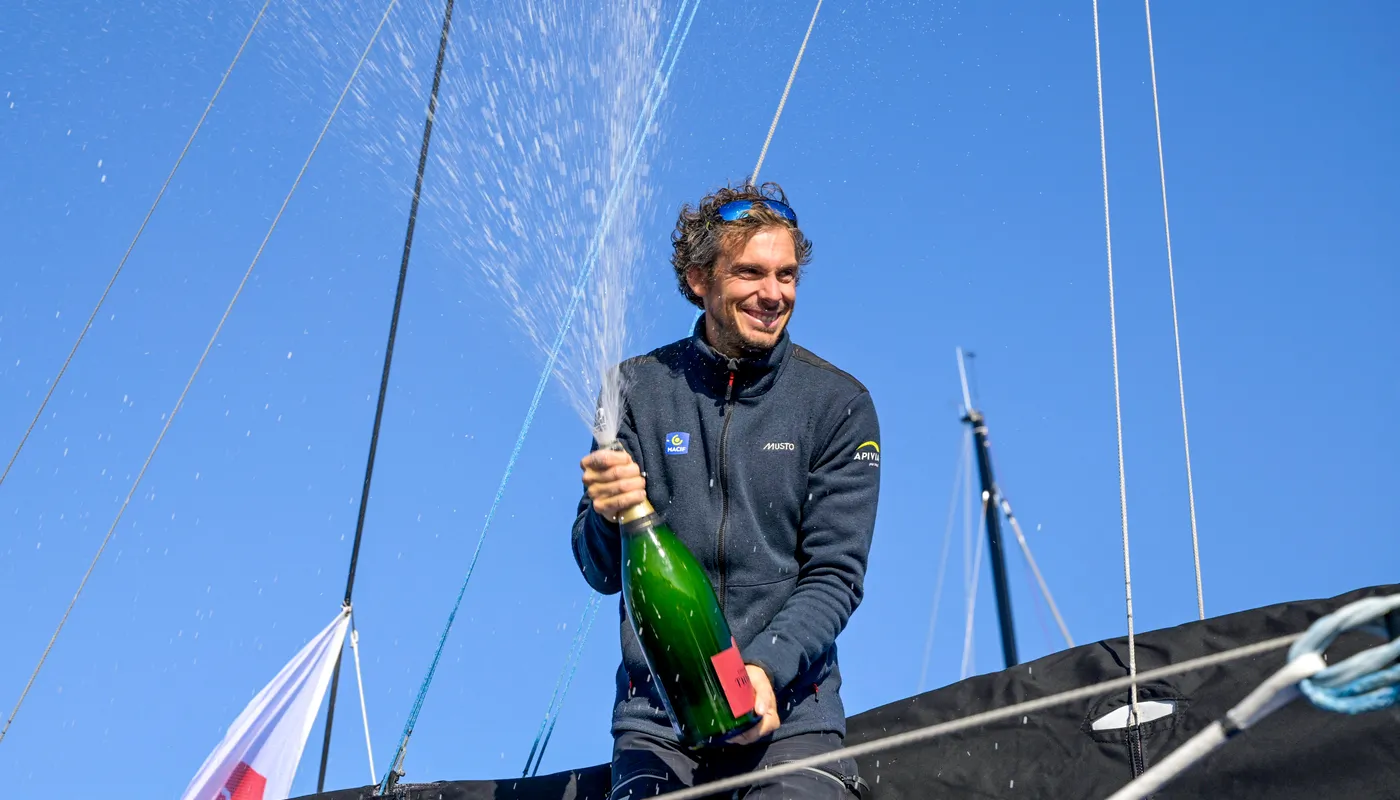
(838, 522)
(597, 542)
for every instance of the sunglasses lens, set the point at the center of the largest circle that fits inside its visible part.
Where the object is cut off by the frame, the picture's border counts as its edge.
(738, 209)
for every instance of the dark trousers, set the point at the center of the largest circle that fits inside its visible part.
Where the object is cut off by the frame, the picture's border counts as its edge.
(644, 766)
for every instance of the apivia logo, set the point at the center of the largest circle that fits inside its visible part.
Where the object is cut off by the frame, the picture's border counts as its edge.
(868, 452)
(780, 446)
(677, 444)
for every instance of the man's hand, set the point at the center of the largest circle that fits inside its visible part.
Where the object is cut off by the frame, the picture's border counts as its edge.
(765, 705)
(613, 482)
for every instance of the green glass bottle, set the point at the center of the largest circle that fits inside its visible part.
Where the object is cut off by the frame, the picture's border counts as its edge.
(694, 659)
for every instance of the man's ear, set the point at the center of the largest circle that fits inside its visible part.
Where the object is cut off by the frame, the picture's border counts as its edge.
(698, 280)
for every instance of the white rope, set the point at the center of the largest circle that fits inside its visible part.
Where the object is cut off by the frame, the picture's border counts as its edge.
(139, 230)
(179, 402)
(783, 100)
(943, 560)
(1117, 400)
(994, 715)
(360, 681)
(1176, 328)
(971, 601)
(1026, 551)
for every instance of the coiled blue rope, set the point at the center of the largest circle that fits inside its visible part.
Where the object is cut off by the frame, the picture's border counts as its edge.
(1369, 680)
(639, 134)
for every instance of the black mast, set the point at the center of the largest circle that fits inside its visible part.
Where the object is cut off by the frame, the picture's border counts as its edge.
(384, 377)
(991, 509)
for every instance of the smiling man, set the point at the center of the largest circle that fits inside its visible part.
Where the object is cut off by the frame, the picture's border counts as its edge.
(764, 460)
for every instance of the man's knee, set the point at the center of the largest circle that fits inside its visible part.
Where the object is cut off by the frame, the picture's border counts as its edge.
(645, 766)
(836, 780)
(810, 783)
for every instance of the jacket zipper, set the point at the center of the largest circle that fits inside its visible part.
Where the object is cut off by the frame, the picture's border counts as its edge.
(724, 478)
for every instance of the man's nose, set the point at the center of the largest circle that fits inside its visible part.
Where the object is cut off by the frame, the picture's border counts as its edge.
(770, 290)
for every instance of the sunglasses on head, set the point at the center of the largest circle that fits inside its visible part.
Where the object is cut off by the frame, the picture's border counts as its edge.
(738, 209)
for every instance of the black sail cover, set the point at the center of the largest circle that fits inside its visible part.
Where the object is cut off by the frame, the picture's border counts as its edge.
(1298, 752)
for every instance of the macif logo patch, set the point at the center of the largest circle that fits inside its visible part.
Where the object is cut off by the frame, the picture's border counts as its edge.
(677, 444)
(869, 452)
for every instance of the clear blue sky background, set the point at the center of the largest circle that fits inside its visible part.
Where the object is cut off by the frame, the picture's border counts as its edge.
(944, 158)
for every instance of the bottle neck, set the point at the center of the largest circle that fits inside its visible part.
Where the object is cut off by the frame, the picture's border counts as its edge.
(640, 510)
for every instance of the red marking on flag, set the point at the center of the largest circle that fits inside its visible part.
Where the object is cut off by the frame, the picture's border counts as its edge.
(734, 679)
(244, 783)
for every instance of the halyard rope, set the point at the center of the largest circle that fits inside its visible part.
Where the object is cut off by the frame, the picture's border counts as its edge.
(429, 117)
(170, 418)
(1117, 399)
(782, 101)
(139, 230)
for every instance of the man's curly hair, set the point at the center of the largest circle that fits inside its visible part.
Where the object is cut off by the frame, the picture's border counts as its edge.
(701, 236)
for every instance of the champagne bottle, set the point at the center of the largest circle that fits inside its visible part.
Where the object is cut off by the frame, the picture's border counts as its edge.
(694, 659)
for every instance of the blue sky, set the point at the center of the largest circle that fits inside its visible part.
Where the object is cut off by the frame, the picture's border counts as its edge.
(944, 158)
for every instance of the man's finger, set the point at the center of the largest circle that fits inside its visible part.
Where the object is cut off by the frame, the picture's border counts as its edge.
(613, 473)
(766, 725)
(612, 506)
(607, 489)
(603, 459)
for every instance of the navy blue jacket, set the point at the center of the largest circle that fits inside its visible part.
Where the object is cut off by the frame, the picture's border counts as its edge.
(772, 483)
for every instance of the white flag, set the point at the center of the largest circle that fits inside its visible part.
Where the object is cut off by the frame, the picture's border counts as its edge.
(258, 758)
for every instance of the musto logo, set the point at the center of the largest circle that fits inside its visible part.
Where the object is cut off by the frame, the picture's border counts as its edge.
(868, 452)
(677, 444)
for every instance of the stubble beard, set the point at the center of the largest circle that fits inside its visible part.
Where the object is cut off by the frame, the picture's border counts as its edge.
(733, 343)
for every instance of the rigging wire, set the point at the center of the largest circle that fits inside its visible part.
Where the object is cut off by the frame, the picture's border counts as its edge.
(1025, 708)
(958, 478)
(139, 230)
(1117, 399)
(639, 136)
(1038, 606)
(971, 601)
(179, 402)
(360, 681)
(782, 101)
(561, 687)
(1176, 327)
(1039, 579)
(384, 376)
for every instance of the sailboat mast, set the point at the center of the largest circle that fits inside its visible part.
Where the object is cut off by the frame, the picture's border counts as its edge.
(992, 511)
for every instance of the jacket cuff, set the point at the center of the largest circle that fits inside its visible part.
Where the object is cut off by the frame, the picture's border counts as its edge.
(769, 652)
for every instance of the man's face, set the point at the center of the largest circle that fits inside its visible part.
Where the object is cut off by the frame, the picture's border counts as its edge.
(750, 298)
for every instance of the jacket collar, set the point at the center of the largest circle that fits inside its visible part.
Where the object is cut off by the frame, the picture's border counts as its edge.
(753, 375)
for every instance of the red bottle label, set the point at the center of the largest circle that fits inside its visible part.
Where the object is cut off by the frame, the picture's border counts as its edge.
(734, 678)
